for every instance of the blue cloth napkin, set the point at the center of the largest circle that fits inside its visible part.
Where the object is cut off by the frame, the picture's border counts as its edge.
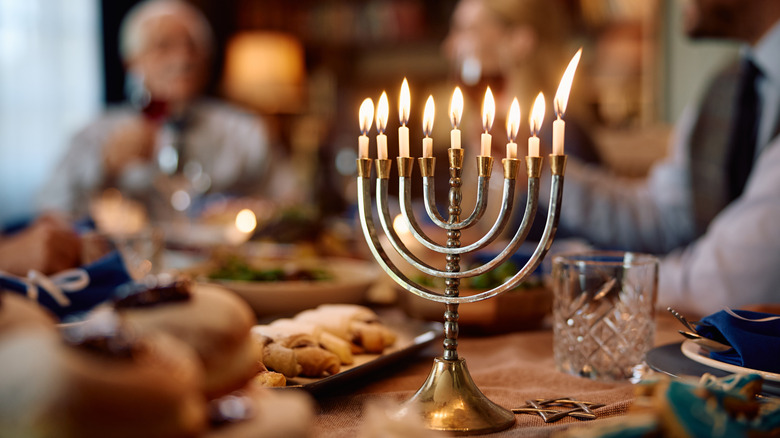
(84, 288)
(754, 345)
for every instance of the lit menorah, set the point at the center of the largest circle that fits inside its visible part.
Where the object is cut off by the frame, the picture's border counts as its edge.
(449, 399)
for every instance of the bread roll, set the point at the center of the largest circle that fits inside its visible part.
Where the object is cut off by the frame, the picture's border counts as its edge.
(212, 320)
(106, 386)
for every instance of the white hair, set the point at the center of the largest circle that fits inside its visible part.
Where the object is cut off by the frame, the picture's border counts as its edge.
(132, 35)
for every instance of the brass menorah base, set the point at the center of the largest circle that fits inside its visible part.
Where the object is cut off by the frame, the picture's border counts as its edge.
(449, 400)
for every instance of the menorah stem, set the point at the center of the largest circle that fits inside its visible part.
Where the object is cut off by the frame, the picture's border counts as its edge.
(452, 288)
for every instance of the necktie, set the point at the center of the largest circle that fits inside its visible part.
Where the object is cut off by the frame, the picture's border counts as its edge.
(745, 132)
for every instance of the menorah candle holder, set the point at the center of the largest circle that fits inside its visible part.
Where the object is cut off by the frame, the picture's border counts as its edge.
(449, 399)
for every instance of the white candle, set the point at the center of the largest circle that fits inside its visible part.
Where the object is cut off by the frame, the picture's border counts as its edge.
(535, 122)
(403, 141)
(428, 116)
(485, 142)
(533, 146)
(488, 114)
(363, 146)
(512, 126)
(366, 115)
(382, 114)
(404, 107)
(427, 147)
(456, 112)
(559, 127)
(381, 146)
(560, 101)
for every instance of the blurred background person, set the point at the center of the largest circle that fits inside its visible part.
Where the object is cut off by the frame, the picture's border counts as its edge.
(168, 143)
(518, 48)
(711, 208)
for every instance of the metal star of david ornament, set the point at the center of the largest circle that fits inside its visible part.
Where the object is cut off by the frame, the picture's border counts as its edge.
(556, 408)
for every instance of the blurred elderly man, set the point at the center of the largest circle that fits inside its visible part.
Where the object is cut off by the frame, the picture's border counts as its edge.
(167, 138)
(712, 207)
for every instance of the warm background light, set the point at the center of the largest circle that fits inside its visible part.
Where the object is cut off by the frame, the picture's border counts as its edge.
(246, 221)
(266, 71)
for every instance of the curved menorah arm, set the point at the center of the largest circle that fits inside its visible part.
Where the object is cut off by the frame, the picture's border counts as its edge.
(553, 215)
(429, 197)
(484, 167)
(507, 203)
(392, 236)
(369, 232)
(534, 169)
(387, 225)
(367, 223)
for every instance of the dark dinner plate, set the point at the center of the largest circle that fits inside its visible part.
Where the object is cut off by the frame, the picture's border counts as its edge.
(669, 359)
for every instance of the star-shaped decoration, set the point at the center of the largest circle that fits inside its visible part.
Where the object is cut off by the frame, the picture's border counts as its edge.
(556, 408)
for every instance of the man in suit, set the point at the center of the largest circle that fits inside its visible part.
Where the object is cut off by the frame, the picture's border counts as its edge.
(712, 208)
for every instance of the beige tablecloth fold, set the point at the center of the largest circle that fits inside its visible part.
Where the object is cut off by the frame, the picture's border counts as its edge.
(509, 369)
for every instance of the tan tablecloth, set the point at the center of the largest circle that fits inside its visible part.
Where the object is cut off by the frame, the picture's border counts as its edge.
(508, 368)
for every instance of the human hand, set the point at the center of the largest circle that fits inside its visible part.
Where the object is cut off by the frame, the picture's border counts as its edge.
(132, 142)
(49, 245)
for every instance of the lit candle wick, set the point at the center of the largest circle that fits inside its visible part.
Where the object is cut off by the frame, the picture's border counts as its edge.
(488, 114)
(428, 116)
(456, 112)
(405, 103)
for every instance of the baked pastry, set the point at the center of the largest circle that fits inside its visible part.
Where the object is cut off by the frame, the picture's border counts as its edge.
(311, 358)
(213, 321)
(328, 341)
(356, 324)
(104, 383)
(269, 379)
(276, 356)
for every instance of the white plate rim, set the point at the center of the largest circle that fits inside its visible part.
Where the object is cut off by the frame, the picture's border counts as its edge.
(692, 351)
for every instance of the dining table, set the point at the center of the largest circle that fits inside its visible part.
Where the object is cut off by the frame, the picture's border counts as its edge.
(509, 368)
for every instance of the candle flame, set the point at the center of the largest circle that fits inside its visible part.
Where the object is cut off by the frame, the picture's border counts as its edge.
(405, 103)
(562, 95)
(246, 221)
(382, 113)
(537, 115)
(366, 115)
(456, 107)
(513, 120)
(428, 114)
(488, 110)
